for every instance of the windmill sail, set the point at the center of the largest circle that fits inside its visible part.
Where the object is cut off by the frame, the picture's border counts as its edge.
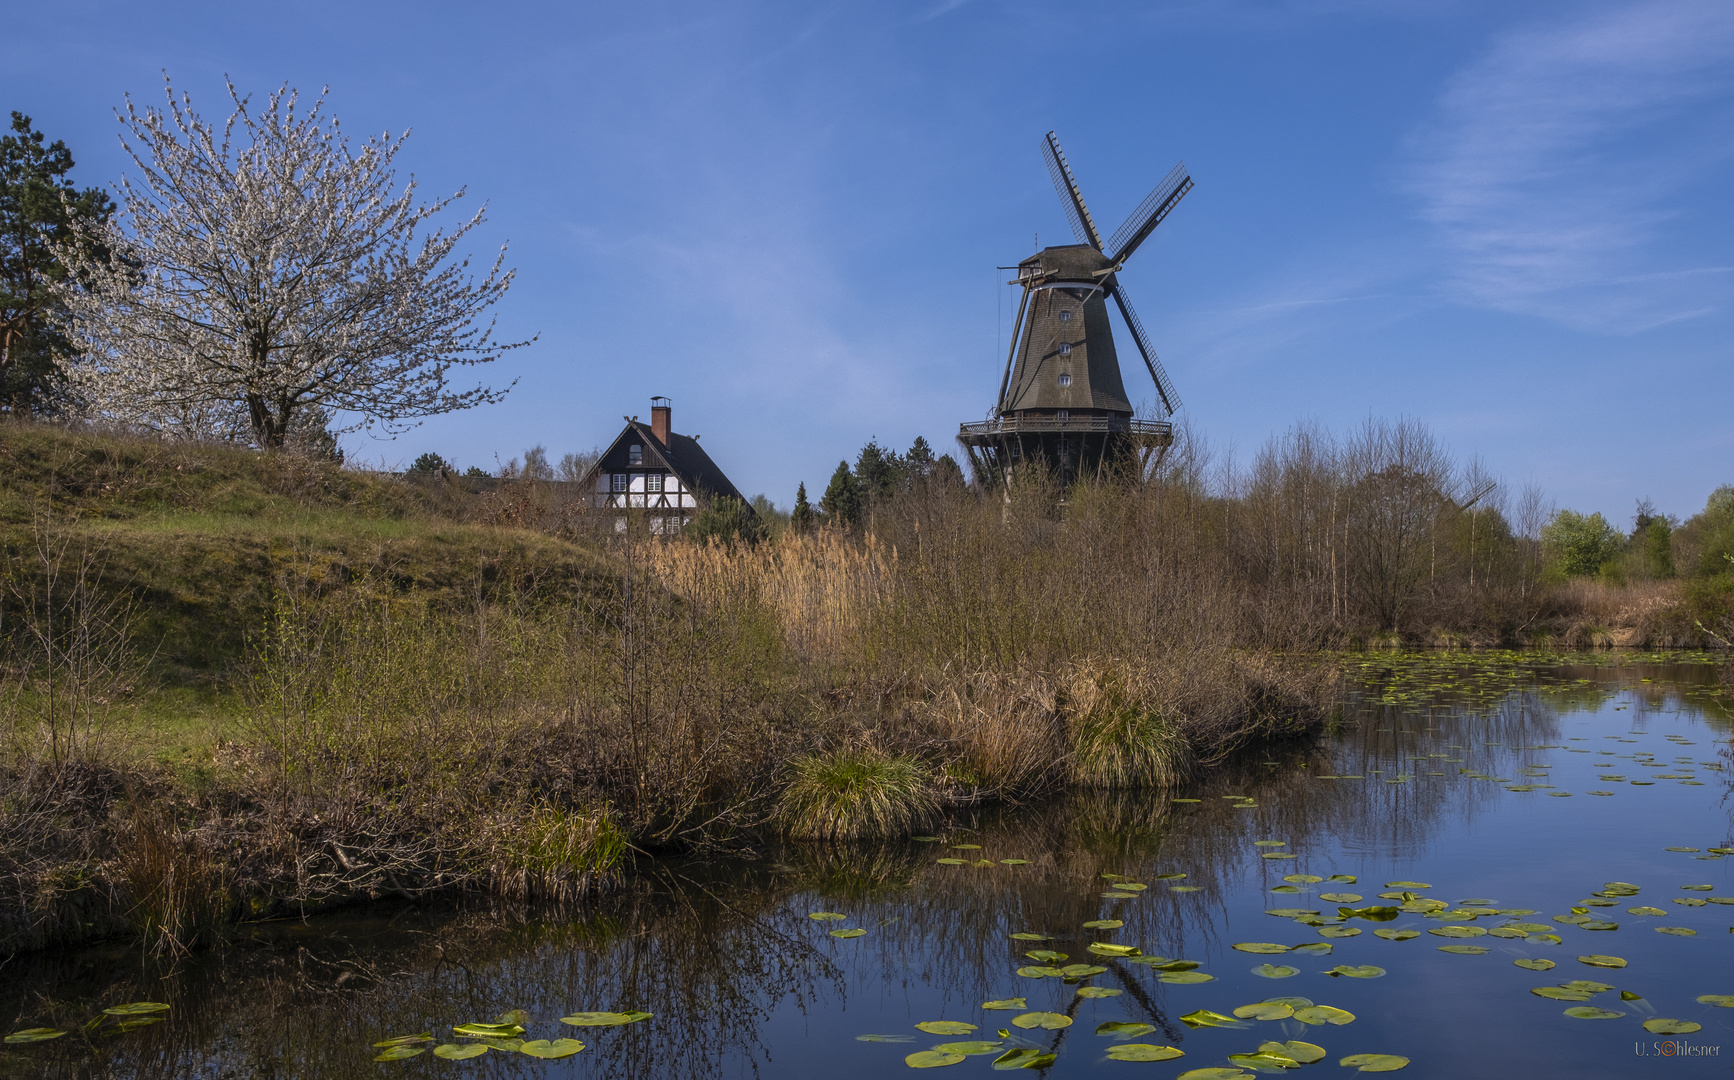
(1165, 388)
(1143, 221)
(1083, 226)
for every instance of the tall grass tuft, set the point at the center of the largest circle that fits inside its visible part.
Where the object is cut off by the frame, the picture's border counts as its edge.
(1120, 737)
(856, 794)
(557, 854)
(180, 895)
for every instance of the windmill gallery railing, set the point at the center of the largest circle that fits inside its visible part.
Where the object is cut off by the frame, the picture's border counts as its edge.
(1157, 432)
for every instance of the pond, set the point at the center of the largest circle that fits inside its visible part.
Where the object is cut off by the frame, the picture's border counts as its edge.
(1496, 865)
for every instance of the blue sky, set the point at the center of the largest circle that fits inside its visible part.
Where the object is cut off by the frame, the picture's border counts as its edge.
(1510, 221)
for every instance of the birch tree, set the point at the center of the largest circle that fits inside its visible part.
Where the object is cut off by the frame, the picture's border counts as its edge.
(272, 270)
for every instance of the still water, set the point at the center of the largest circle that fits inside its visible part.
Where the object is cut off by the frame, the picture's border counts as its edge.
(1551, 809)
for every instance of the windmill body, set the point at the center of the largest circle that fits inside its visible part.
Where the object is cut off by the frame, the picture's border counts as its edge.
(1063, 404)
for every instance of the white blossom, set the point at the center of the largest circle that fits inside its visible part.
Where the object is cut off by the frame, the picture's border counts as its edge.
(260, 277)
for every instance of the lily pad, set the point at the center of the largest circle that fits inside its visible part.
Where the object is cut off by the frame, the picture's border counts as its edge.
(454, 1052)
(1104, 924)
(1561, 993)
(1662, 1025)
(1004, 1003)
(394, 1053)
(1599, 960)
(1275, 971)
(1289, 912)
(1130, 886)
(976, 1048)
(1407, 885)
(944, 862)
(1591, 1012)
(931, 1059)
(404, 1040)
(1260, 947)
(594, 1019)
(1097, 992)
(1317, 1015)
(1465, 950)
(1049, 1021)
(1169, 877)
(1270, 843)
(1458, 931)
(1303, 879)
(504, 1031)
(945, 1027)
(1046, 956)
(1361, 971)
(1215, 1072)
(1024, 1057)
(1343, 879)
(1143, 1052)
(1081, 971)
(1721, 1001)
(1304, 1052)
(885, 1038)
(966, 847)
(1040, 972)
(1124, 1029)
(1183, 978)
(136, 1008)
(1026, 936)
(1339, 897)
(826, 916)
(1677, 931)
(1375, 1062)
(1206, 1018)
(1396, 935)
(1264, 1062)
(551, 1049)
(1536, 964)
(42, 1034)
(1014, 862)
(854, 933)
(1103, 948)
(1265, 1011)
(1314, 948)
(1339, 931)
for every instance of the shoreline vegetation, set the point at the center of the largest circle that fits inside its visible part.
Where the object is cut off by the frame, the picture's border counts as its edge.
(240, 686)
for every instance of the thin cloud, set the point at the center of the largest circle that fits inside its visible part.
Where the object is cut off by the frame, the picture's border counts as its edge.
(1553, 169)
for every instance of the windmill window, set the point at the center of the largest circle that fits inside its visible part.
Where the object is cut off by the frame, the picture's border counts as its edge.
(1065, 378)
(635, 454)
(1065, 316)
(1065, 348)
(1064, 416)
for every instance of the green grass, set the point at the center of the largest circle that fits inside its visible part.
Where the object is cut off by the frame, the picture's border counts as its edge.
(856, 795)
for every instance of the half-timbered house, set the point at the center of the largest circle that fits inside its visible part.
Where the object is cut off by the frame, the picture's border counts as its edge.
(650, 469)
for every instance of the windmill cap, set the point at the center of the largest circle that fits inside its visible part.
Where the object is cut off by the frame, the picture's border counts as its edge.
(1072, 262)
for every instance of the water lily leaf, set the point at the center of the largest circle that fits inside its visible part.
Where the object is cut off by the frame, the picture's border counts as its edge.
(931, 1059)
(1178, 965)
(1103, 948)
(1186, 800)
(502, 1044)
(943, 862)
(1014, 862)
(1339, 931)
(1130, 886)
(1543, 939)
(551, 1049)
(1206, 1018)
(1303, 879)
(1187, 888)
(1169, 877)
(1291, 1000)
(1599, 960)
(1465, 950)
(1124, 1029)
(1662, 1025)
(599, 1019)
(1045, 955)
(1507, 932)
(1183, 978)
(1362, 971)
(454, 1052)
(1590, 1012)
(1034, 972)
(404, 1040)
(1265, 1010)
(137, 1022)
(1276, 855)
(1143, 1052)
(1721, 1001)
(1591, 985)
(826, 916)
(1260, 947)
(1295, 1050)
(1275, 971)
(1214, 1073)
(1286, 889)
(1289, 912)
(1024, 1057)
(42, 1034)
(1344, 879)
(1598, 924)
(1535, 964)
(1049, 1021)
(136, 1008)
(496, 1031)
(1682, 849)
(1104, 924)
(1270, 843)
(1458, 931)
(855, 933)
(945, 1027)
(395, 1053)
(1561, 993)
(1314, 948)
(1004, 1003)
(1396, 935)
(1097, 992)
(1081, 971)
(1371, 914)
(1026, 936)
(1317, 1015)
(1339, 897)
(1407, 885)
(1375, 1062)
(885, 1038)
(975, 1048)
(1677, 931)
(966, 847)
(926, 839)
(1627, 995)
(1645, 911)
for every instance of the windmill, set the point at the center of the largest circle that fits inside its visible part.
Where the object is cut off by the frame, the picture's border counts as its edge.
(1062, 402)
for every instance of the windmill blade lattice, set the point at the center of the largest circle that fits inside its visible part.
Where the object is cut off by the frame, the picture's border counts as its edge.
(1165, 388)
(1143, 221)
(1066, 185)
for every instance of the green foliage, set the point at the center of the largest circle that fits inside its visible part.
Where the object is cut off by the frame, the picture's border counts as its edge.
(1716, 532)
(431, 463)
(801, 520)
(1577, 545)
(855, 794)
(726, 520)
(842, 500)
(878, 471)
(477, 471)
(39, 208)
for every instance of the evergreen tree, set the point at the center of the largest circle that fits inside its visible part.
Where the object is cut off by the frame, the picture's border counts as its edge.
(918, 463)
(430, 463)
(842, 500)
(878, 471)
(802, 519)
(33, 219)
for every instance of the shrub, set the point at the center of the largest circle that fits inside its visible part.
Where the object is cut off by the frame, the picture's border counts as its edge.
(1578, 545)
(853, 794)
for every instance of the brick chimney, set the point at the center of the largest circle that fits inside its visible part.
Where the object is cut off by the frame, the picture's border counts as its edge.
(660, 408)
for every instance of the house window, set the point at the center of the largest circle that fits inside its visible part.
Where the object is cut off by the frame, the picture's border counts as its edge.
(618, 481)
(653, 482)
(635, 454)
(1065, 378)
(1065, 348)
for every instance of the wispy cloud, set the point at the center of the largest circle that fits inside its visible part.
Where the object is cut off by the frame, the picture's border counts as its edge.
(1555, 164)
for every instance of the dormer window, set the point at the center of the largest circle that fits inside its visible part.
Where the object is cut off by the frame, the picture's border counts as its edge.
(635, 454)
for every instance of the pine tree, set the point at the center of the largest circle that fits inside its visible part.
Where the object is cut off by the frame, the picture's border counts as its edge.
(802, 518)
(842, 501)
(918, 463)
(878, 471)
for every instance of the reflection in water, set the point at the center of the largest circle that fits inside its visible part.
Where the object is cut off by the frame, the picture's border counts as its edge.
(742, 982)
